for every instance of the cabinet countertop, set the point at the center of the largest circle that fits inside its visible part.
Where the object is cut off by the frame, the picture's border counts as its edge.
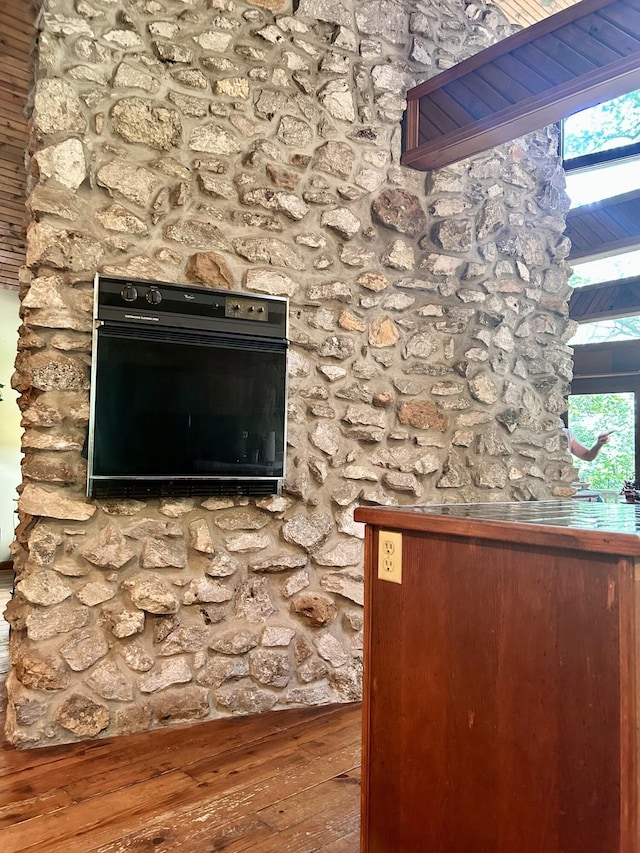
(602, 527)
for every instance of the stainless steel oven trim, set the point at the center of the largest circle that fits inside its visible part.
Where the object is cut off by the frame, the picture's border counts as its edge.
(94, 478)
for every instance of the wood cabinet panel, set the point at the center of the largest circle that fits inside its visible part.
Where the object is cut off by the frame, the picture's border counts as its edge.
(499, 707)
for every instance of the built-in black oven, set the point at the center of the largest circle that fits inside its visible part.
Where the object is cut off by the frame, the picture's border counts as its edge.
(188, 391)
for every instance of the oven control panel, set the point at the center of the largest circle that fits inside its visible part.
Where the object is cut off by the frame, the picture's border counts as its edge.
(246, 309)
(189, 306)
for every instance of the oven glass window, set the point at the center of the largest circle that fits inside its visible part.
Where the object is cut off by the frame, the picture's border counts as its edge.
(172, 408)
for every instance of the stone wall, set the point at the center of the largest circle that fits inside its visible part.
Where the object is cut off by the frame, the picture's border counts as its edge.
(253, 147)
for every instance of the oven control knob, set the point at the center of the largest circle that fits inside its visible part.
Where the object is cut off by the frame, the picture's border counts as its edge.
(154, 297)
(129, 293)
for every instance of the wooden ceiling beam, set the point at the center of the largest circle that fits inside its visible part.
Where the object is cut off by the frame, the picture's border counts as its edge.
(497, 98)
(608, 300)
(604, 228)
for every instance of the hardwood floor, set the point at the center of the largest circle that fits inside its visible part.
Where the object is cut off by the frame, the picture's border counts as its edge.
(281, 782)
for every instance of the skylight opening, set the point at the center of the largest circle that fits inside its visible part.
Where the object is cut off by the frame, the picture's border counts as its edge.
(606, 331)
(611, 268)
(587, 185)
(601, 150)
(613, 124)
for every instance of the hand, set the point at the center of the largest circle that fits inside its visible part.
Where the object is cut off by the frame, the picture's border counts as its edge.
(603, 438)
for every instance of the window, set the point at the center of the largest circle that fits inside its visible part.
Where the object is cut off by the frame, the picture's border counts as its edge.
(601, 154)
(601, 331)
(601, 150)
(592, 414)
(599, 182)
(612, 268)
(602, 133)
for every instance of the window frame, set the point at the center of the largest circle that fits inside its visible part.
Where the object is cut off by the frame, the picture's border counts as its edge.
(597, 158)
(610, 368)
(613, 366)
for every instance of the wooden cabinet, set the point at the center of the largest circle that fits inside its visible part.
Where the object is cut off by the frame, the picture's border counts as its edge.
(500, 680)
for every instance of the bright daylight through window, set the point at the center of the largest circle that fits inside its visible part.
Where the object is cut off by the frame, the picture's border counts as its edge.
(600, 148)
(601, 153)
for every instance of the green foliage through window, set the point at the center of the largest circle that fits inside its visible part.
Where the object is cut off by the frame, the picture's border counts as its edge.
(609, 125)
(592, 414)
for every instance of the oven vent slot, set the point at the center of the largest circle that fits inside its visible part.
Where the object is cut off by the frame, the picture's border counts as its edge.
(144, 489)
(180, 336)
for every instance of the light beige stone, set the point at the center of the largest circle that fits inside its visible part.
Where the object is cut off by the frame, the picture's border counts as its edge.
(110, 682)
(83, 649)
(164, 674)
(44, 624)
(150, 593)
(135, 183)
(44, 588)
(36, 500)
(233, 87)
(110, 549)
(331, 649)
(205, 590)
(158, 554)
(137, 120)
(57, 108)
(63, 162)
(253, 601)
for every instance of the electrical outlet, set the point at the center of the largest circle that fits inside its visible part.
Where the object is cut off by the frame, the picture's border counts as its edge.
(390, 556)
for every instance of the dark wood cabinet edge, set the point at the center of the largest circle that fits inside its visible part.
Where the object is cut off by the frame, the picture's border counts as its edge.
(514, 532)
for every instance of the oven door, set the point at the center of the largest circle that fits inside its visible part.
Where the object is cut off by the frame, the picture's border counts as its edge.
(177, 412)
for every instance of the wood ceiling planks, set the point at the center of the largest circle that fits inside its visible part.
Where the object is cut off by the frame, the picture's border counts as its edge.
(528, 12)
(16, 38)
(605, 301)
(604, 227)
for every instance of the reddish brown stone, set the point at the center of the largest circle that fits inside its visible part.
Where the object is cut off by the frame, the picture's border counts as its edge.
(41, 673)
(373, 281)
(401, 211)
(350, 322)
(284, 178)
(382, 400)
(317, 609)
(209, 268)
(422, 414)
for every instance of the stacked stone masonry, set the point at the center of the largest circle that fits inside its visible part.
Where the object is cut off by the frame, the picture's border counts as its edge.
(251, 146)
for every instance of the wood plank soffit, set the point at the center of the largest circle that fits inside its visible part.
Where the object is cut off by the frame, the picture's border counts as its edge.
(580, 57)
(604, 228)
(606, 300)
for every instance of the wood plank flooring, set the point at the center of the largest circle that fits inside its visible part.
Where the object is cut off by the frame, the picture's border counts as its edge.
(281, 782)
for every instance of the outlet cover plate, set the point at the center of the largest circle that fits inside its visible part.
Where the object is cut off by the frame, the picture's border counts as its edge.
(390, 556)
